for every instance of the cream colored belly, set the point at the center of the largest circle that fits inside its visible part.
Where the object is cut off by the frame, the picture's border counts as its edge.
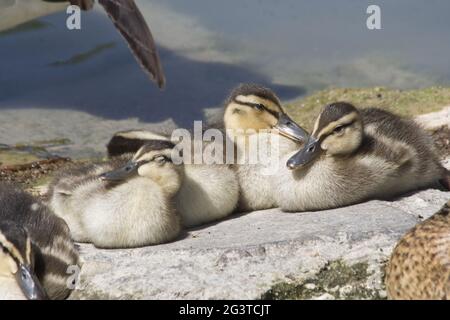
(256, 189)
(257, 181)
(208, 193)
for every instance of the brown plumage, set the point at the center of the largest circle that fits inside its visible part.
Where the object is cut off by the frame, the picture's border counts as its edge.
(24, 218)
(419, 267)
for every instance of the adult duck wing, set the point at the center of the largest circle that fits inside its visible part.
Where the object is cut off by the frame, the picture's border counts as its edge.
(131, 24)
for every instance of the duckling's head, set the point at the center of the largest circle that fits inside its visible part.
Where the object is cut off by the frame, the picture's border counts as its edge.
(16, 260)
(153, 161)
(337, 131)
(251, 108)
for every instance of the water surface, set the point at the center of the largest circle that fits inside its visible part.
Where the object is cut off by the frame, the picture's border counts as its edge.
(207, 47)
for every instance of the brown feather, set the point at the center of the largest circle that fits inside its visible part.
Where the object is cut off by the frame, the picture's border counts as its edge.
(131, 24)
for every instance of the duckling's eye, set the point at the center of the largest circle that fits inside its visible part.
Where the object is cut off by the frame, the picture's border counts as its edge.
(162, 159)
(339, 130)
(259, 107)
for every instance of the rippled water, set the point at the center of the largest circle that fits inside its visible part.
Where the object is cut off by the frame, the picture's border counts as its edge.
(207, 47)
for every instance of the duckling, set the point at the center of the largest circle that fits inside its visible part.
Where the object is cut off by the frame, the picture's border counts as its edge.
(36, 251)
(126, 202)
(355, 155)
(419, 267)
(253, 112)
(208, 192)
(131, 24)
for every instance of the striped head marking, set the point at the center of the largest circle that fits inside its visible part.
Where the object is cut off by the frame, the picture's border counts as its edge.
(252, 107)
(338, 130)
(16, 260)
(153, 161)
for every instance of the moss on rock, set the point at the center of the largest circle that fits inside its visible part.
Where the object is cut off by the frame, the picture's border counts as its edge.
(336, 279)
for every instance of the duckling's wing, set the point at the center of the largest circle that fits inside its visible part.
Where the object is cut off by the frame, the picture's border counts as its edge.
(130, 141)
(131, 24)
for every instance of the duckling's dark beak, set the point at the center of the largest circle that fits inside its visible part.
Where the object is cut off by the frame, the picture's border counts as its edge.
(123, 173)
(308, 153)
(29, 283)
(288, 128)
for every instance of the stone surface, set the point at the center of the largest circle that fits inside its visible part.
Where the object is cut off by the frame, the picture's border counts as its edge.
(244, 256)
(435, 120)
(260, 254)
(88, 134)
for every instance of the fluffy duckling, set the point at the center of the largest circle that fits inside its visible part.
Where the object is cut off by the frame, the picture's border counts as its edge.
(419, 267)
(123, 203)
(354, 155)
(208, 192)
(36, 251)
(254, 113)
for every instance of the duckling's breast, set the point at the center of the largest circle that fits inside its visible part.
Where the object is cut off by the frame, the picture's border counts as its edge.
(257, 172)
(208, 193)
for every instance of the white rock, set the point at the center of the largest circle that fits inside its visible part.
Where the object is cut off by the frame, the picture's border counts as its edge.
(310, 286)
(435, 120)
(325, 296)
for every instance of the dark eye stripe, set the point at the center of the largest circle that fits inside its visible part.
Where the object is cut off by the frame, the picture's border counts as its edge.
(142, 162)
(257, 105)
(343, 126)
(9, 253)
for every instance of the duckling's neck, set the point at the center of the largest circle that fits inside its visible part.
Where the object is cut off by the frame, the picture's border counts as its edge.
(169, 181)
(266, 144)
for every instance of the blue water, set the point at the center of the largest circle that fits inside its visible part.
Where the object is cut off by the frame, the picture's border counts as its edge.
(293, 46)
